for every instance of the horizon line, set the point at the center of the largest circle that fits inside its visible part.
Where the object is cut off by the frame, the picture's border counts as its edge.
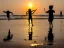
(34, 15)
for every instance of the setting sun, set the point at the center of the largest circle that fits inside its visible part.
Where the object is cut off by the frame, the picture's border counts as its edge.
(30, 5)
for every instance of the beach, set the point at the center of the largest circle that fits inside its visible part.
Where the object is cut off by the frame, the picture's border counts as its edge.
(20, 29)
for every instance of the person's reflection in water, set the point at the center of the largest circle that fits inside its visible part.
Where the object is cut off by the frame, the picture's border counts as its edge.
(30, 32)
(9, 36)
(50, 36)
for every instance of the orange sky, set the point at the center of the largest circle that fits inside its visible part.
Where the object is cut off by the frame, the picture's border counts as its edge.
(21, 6)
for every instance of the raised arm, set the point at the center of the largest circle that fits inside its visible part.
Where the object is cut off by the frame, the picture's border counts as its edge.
(33, 11)
(11, 13)
(53, 11)
(26, 12)
(4, 11)
(44, 10)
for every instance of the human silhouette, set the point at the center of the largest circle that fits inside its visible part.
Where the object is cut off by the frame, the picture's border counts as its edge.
(8, 14)
(50, 36)
(60, 13)
(30, 12)
(50, 11)
(9, 36)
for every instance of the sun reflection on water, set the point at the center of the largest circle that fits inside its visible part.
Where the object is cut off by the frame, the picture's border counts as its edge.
(36, 44)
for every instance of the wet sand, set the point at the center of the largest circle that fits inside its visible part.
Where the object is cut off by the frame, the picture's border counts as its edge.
(20, 29)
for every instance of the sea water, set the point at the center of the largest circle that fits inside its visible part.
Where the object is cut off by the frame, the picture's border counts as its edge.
(20, 30)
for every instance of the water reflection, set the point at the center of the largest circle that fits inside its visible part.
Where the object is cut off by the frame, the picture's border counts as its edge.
(30, 32)
(9, 36)
(61, 25)
(50, 36)
(36, 44)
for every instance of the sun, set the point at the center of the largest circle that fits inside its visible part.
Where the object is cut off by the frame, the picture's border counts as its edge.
(30, 5)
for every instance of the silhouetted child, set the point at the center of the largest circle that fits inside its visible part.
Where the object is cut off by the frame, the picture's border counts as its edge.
(50, 11)
(8, 14)
(60, 13)
(30, 12)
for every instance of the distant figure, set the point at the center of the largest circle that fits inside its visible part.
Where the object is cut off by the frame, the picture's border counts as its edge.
(60, 13)
(50, 11)
(30, 12)
(8, 14)
(9, 36)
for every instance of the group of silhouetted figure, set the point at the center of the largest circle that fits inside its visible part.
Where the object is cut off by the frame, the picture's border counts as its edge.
(50, 11)
(30, 12)
(50, 36)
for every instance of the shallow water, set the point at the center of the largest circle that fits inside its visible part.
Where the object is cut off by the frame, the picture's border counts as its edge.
(20, 29)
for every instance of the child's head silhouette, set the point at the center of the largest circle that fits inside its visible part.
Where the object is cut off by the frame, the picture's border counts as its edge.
(29, 9)
(51, 7)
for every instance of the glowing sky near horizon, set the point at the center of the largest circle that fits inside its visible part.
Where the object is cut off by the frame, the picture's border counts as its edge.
(21, 6)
